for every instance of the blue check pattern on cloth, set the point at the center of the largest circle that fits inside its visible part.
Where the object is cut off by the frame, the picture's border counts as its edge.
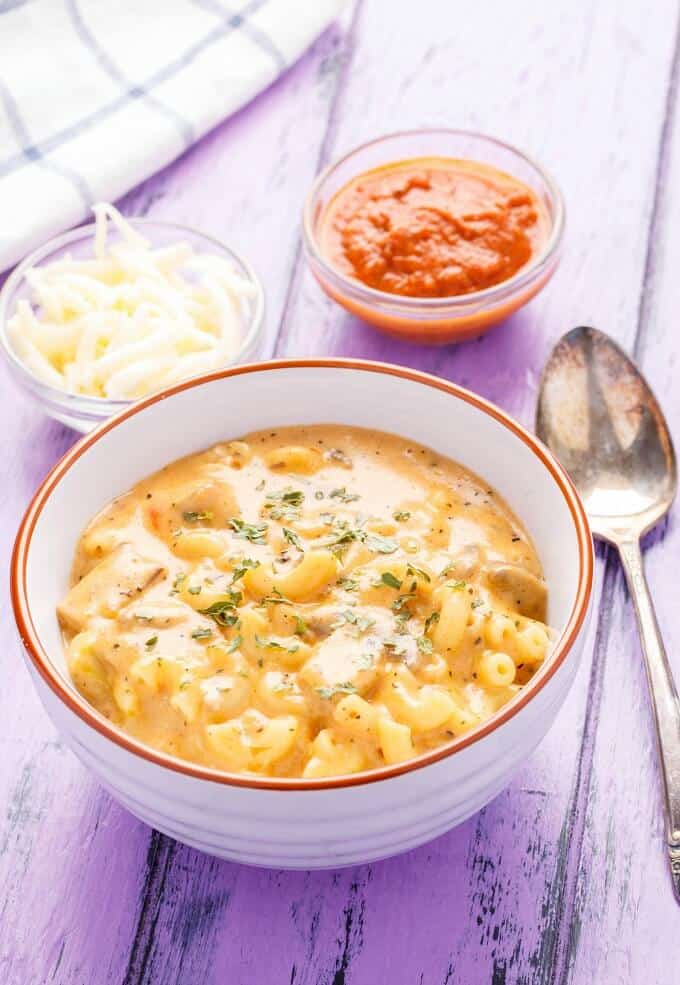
(96, 95)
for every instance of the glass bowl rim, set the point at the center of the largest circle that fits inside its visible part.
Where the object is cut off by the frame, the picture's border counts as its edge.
(524, 275)
(106, 406)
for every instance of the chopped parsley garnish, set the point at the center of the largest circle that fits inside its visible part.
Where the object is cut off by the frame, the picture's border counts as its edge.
(374, 542)
(318, 494)
(387, 578)
(247, 564)
(235, 644)
(222, 611)
(292, 538)
(401, 602)
(424, 645)
(254, 532)
(276, 598)
(431, 620)
(285, 503)
(401, 515)
(382, 545)
(458, 586)
(202, 633)
(329, 692)
(343, 495)
(401, 619)
(477, 602)
(194, 589)
(269, 644)
(197, 516)
(418, 572)
(344, 538)
(178, 582)
(151, 642)
(349, 584)
(396, 646)
(282, 685)
(349, 618)
(301, 626)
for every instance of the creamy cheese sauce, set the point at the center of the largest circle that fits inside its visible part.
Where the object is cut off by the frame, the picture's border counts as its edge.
(306, 601)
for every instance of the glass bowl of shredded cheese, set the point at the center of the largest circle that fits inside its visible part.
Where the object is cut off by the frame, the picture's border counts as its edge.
(121, 308)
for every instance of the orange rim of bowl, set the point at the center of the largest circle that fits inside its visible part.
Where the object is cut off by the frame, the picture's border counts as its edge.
(88, 714)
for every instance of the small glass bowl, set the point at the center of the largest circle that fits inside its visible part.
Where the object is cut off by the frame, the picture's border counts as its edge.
(80, 412)
(434, 321)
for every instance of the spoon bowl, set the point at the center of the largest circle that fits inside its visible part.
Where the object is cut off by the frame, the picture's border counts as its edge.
(598, 415)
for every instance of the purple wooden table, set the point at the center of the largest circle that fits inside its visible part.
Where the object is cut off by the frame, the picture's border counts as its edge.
(562, 878)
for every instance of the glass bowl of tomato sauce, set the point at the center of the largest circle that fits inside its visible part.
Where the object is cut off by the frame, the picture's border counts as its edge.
(433, 236)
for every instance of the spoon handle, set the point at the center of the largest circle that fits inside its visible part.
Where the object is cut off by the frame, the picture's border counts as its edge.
(664, 697)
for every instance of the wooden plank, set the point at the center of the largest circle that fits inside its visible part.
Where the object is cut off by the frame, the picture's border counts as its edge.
(624, 884)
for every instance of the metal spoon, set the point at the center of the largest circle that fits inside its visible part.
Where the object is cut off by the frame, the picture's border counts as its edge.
(599, 416)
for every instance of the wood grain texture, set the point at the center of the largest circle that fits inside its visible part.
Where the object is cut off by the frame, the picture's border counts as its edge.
(561, 879)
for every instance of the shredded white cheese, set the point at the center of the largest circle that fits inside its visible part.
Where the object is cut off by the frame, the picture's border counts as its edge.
(132, 319)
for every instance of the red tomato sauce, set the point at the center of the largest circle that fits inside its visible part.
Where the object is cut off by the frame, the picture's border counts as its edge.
(433, 227)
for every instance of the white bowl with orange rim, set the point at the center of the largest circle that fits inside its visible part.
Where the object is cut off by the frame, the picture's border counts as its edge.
(304, 823)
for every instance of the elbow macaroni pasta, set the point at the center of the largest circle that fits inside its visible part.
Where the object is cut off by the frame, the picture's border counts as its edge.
(305, 602)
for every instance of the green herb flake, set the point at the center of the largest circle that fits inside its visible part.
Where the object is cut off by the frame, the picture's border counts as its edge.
(396, 646)
(292, 538)
(424, 645)
(401, 602)
(285, 503)
(178, 582)
(401, 515)
(301, 626)
(328, 692)
(202, 633)
(276, 598)
(254, 532)
(247, 564)
(431, 620)
(343, 495)
(349, 584)
(349, 618)
(387, 578)
(235, 644)
(197, 516)
(222, 611)
(381, 545)
(269, 644)
(282, 685)
(151, 642)
(417, 572)
(194, 590)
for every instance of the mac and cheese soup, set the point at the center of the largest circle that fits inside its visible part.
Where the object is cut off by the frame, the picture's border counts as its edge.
(304, 602)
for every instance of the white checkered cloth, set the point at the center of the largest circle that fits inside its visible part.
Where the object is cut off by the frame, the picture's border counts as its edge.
(96, 95)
